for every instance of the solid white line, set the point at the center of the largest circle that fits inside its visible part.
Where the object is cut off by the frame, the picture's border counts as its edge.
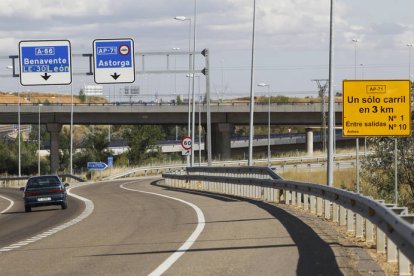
(187, 244)
(10, 205)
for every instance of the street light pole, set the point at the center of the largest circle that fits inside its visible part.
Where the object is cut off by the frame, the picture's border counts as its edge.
(268, 121)
(199, 122)
(331, 95)
(355, 40)
(38, 149)
(19, 135)
(71, 130)
(251, 123)
(199, 116)
(175, 68)
(409, 45)
(193, 88)
(357, 139)
(183, 18)
(175, 83)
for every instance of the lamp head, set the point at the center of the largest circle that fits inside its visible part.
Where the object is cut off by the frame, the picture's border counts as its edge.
(181, 18)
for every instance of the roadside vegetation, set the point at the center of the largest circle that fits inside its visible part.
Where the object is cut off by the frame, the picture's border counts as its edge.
(91, 144)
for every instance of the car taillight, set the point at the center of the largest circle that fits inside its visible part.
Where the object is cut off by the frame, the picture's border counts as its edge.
(52, 191)
(28, 193)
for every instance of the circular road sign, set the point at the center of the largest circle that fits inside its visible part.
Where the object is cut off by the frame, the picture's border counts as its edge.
(186, 143)
(124, 50)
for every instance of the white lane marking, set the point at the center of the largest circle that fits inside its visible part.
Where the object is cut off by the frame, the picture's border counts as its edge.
(10, 205)
(86, 212)
(187, 244)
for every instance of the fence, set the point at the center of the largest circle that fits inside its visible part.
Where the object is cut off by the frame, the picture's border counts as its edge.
(386, 226)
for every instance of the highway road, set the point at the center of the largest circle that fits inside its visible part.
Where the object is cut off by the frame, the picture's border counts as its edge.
(133, 227)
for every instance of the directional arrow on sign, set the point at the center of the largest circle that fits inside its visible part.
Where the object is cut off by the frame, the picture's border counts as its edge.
(115, 76)
(46, 76)
(96, 166)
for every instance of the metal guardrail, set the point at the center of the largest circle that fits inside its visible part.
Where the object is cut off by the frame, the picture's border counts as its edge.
(13, 178)
(388, 227)
(302, 161)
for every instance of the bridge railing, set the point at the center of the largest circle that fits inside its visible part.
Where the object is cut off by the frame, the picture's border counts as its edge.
(386, 226)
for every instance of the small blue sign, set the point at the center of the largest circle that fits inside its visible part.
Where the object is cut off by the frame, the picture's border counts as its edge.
(96, 166)
(45, 62)
(114, 61)
(110, 161)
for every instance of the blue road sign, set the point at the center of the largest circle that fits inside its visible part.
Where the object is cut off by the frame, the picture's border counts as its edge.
(96, 166)
(45, 62)
(110, 161)
(114, 60)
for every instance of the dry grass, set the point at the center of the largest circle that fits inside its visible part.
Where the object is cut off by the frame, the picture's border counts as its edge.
(29, 98)
(343, 178)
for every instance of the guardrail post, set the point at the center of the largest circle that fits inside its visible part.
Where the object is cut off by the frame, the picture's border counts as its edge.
(359, 228)
(404, 265)
(327, 209)
(350, 221)
(335, 213)
(319, 206)
(342, 216)
(276, 195)
(293, 201)
(287, 196)
(268, 193)
(369, 231)
(313, 204)
(380, 241)
(299, 199)
(306, 202)
(392, 252)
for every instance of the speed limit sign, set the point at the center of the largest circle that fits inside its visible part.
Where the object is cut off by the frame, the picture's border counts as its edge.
(186, 143)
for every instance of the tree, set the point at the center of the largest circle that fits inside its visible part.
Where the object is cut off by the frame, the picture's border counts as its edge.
(82, 96)
(8, 160)
(142, 141)
(178, 100)
(94, 149)
(378, 169)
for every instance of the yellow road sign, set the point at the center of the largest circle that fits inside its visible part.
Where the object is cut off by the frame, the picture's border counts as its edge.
(376, 108)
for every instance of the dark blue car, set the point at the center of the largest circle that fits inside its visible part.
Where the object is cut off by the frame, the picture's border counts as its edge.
(44, 190)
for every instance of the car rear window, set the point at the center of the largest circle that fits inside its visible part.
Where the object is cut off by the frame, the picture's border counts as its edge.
(43, 182)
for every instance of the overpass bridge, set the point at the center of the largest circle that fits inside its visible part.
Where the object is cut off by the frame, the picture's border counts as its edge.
(224, 116)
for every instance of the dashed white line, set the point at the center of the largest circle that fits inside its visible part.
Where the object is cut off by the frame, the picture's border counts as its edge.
(187, 244)
(86, 212)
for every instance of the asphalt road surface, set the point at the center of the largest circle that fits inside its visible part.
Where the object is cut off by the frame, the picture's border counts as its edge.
(133, 227)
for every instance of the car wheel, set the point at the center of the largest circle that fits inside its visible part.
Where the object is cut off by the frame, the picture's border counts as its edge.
(27, 208)
(64, 205)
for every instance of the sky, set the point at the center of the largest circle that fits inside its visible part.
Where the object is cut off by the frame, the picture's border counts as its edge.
(291, 41)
